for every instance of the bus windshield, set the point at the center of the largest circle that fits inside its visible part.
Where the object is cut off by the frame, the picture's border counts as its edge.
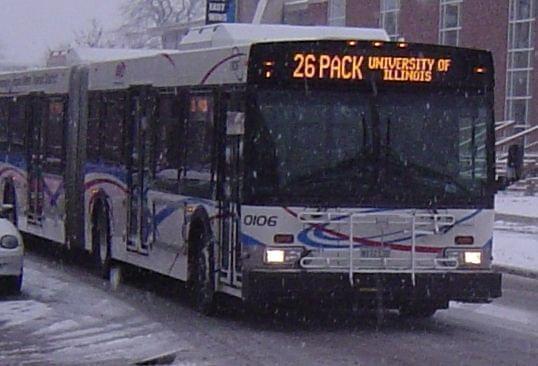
(385, 148)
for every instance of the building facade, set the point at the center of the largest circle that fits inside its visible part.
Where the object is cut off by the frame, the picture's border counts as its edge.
(505, 27)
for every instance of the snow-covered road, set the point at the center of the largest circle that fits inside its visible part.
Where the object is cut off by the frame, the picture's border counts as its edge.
(69, 318)
(67, 315)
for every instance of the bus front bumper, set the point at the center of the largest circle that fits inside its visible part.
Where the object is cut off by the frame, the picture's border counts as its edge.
(394, 288)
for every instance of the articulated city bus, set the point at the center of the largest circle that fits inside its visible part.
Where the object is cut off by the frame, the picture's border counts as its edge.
(271, 163)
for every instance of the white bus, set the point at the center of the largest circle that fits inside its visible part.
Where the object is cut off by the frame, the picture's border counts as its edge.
(271, 163)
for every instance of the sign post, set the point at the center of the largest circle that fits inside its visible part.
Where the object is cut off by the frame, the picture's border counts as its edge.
(220, 11)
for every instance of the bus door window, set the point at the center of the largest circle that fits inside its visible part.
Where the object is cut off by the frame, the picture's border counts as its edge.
(231, 188)
(140, 119)
(54, 137)
(197, 170)
(38, 115)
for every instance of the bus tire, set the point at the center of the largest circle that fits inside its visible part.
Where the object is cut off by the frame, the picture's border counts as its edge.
(101, 244)
(13, 285)
(203, 283)
(417, 310)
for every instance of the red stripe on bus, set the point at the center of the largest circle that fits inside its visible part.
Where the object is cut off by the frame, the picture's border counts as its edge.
(371, 243)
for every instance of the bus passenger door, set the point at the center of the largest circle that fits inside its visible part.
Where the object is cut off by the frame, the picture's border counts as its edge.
(141, 106)
(38, 111)
(231, 190)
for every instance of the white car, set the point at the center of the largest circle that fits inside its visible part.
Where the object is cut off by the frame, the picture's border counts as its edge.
(11, 258)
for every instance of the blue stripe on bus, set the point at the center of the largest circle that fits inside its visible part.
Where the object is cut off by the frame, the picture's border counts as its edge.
(17, 160)
(248, 240)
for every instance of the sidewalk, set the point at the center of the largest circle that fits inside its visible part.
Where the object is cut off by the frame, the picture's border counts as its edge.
(515, 239)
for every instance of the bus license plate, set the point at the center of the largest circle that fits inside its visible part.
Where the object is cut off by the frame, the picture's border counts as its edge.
(375, 252)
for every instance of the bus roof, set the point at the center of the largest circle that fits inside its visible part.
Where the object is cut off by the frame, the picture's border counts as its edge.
(86, 55)
(233, 34)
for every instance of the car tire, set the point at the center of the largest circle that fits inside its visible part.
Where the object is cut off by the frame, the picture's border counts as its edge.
(204, 281)
(101, 245)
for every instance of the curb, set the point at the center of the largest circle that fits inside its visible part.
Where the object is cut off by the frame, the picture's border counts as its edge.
(517, 271)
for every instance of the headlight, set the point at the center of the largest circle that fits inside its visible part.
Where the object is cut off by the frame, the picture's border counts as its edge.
(465, 257)
(9, 242)
(274, 256)
(472, 257)
(283, 255)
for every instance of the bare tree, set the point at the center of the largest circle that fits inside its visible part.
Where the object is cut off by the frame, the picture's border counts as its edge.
(141, 15)
(90, 37)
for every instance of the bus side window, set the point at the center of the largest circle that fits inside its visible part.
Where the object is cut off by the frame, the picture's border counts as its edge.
(4, 118)
(167, 135)
(113, 128)
(18, 128)
(94, 128)
(54, 131)
(197, 172)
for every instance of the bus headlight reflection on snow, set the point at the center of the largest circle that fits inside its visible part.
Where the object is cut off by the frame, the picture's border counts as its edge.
(282, 255)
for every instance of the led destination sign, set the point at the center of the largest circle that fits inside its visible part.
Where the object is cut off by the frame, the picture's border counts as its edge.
(354, 67)
(353, 64)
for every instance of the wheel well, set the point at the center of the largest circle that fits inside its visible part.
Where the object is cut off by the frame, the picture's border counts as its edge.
(9, 192)
(100, 207)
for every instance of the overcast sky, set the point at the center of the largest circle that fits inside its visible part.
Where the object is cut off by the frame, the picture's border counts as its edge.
(29, 27)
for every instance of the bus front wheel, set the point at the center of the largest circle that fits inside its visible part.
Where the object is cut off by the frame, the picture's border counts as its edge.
(101, 245)
(203, 283)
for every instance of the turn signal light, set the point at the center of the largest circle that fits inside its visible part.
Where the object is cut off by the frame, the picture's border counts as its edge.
(464, 240)
(283, 238)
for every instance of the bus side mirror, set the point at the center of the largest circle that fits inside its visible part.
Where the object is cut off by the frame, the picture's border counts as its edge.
(514, 166)
(235, 123)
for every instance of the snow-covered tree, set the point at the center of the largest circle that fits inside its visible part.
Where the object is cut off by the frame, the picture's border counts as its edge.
(141, 15)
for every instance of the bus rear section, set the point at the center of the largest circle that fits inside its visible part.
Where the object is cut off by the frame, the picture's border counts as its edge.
(368, 173)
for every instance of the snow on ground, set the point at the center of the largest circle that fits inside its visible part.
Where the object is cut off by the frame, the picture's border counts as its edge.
(61, 320)
(515, 240)
(518, 205)
(514, 249)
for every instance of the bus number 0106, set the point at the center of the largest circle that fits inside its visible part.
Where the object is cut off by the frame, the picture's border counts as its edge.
(261, 220)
